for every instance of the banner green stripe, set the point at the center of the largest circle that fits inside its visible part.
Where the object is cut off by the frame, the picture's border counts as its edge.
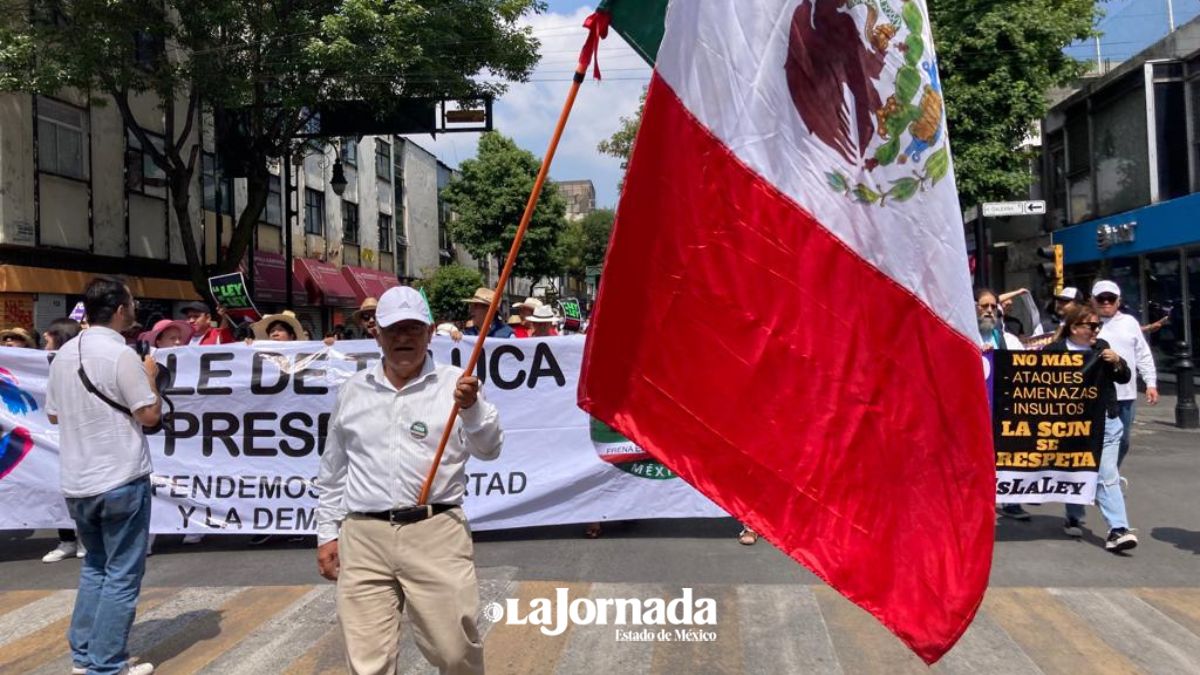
(640, 22)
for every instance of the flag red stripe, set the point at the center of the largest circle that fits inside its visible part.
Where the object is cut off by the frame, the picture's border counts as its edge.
(806, 392)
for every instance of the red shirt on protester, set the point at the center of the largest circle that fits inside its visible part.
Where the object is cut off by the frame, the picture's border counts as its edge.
(520, 331)
(215, 336)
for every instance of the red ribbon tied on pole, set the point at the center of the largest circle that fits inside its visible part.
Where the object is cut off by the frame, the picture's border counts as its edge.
(597, 25)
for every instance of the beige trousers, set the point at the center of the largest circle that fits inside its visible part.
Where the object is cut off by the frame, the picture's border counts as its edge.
(428, 566)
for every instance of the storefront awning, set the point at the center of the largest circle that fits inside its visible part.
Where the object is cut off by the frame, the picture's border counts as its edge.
(324, 283)
(270, 278)
(22, 279)
(368, 283)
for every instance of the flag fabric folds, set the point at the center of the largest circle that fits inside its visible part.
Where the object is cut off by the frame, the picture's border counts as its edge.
(789, 219)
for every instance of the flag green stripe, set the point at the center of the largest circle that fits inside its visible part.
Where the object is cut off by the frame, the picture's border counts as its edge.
(640, 22)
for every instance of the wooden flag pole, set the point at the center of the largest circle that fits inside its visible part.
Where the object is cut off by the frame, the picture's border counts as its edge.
(597, 24)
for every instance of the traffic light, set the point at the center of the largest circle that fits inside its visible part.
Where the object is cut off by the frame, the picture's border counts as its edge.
(1052, 270)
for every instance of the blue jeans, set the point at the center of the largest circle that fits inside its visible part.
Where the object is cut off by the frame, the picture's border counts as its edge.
(1108, 486)
(114, 528)
(1126, 411)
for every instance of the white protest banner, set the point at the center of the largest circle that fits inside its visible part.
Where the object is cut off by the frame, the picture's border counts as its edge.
(243, 446)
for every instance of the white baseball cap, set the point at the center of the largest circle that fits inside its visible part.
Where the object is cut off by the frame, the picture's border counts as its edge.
(1106, 286)
(401, 303)
(1069, 293)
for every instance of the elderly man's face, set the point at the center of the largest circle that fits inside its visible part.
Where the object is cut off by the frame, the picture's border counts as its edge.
(478, 314)
(1106, 304)
(404, 345)
(986, 311)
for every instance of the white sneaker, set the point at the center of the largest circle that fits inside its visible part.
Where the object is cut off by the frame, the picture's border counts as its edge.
(139, 669)
(80, 552)
(76, 670)
(64, 550)
(193, 538)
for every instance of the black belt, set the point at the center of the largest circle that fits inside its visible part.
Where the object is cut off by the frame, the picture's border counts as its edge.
(411, 514)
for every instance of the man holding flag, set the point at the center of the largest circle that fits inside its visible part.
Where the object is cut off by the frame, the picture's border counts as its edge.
(796, 152)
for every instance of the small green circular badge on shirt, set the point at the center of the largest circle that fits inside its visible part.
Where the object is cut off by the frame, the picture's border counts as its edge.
(418, 430)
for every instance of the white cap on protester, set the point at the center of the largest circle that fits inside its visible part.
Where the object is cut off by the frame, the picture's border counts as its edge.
(1069, 293)
(401, 303)
(1106, 286)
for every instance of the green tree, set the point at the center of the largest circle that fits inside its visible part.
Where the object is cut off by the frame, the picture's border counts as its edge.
(997, 61)
(584, 243)
(489, 196)
(270, 61)
(447, 289)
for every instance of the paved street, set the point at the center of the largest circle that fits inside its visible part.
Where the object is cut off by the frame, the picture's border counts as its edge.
(1055, 606)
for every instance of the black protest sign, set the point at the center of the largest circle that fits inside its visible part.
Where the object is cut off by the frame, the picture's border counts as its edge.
(229, 290)
(1048, 426)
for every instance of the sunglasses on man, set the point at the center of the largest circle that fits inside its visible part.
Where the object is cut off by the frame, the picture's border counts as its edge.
(1106, 298)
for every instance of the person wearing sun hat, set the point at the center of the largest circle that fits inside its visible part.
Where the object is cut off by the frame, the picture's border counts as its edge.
(1124, 334)
(541, 322)
(282, 327)
(478, 306)
(388, 553)
(168, 333)
(364, 317)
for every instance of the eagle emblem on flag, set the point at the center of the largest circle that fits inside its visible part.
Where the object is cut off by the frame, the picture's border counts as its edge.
(865, 83)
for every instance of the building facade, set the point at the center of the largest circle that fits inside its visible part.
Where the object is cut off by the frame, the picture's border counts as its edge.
(1120, 175)
(79, 196)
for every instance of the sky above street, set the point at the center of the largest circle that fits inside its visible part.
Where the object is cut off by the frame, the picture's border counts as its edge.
(528, 111)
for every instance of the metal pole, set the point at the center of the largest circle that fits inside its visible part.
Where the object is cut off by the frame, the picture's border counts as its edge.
(287, 226)
(1186, 414)
(1171, 15)
(1099, 62)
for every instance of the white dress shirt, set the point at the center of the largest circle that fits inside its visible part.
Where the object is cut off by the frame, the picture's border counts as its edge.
(100, 448)
(381, 444)
(1124, 334)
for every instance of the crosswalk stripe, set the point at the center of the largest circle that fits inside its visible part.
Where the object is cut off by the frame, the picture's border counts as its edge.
(986, 648)
(49, 642)
(215, 632)
(595, 648)
(326, 655)
(863, 645)
(14, 599)
(1060, 641)
(724, 655)
(1181, 604)
(282, 639)
(760, 629)
(523, 649)
(1148, 637)
(807, 649)
(33, 616)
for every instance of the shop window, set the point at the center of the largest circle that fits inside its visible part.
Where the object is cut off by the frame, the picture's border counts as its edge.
(62, 139)
(1170, 117)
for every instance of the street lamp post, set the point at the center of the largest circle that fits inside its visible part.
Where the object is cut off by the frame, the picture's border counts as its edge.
(1186, 414)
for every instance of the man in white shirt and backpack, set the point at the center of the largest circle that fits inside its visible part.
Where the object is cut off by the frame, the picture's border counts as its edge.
(100, 393)
(1124, 334)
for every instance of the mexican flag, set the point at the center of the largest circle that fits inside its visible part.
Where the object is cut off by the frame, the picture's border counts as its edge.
(786, 318)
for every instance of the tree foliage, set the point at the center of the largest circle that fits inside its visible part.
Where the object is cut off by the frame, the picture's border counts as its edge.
(997, 61)
(488, 198)
(271, 60)
(447, 289)
(584, 243)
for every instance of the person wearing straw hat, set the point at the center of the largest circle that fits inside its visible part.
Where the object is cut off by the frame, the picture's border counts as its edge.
(18, 337)
(541, 322)
(364, 318)
(524, 311)
(282, 327)
(386, 550)
(478, 306)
